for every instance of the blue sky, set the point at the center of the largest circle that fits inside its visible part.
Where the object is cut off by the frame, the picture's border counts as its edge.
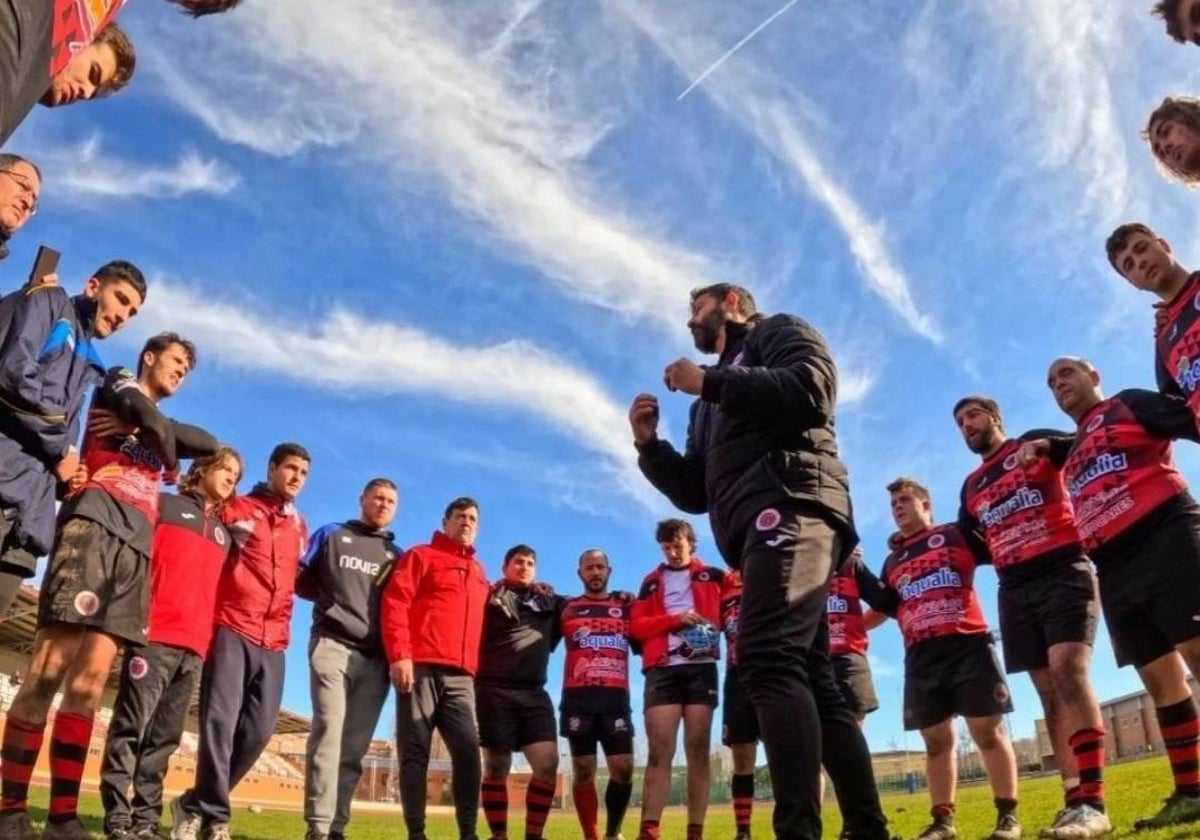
(447, 242)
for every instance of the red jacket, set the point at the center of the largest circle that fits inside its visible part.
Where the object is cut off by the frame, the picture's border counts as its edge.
(191, 547)
(258, 587)
(649, 623)
(432, 609)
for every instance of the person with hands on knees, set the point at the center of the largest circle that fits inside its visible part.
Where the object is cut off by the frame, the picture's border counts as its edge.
(431, 621)
(95, 593)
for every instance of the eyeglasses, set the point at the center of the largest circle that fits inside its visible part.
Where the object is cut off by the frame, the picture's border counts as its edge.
(26, 188)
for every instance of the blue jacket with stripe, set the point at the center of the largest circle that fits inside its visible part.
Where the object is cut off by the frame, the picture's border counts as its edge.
(47, 363)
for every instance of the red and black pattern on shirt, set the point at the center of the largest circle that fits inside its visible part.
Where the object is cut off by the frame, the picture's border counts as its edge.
(76, 24)
(1117, 472)
(596, 673)
(1177, 346)
(731, 611)
(1023, 512)
(933, 574)
(844, 614)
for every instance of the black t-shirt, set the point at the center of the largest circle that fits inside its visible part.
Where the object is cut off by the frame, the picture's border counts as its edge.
(520, 629)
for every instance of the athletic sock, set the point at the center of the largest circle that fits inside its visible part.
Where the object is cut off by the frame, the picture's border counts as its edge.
(1181, 733)
(1004, 807)
(649, 829)
(493, 793)
(943, 813)
(695, 831)
(587, 808)
(22, 743)
(539, 796)
(69, 740)
(1088, 746)
(616, 803)
(743, 800)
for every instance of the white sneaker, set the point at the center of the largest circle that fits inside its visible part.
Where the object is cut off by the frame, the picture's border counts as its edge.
(1078, 823)
(218, 831)
(184, 826)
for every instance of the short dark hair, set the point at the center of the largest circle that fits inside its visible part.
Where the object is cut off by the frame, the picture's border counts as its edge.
(200, 8)
(122, 48)
(593, 551)
(1181, 109)
(9, 160)
(122, 271)
(745, 304)
(1119, 238)
(669, 529)
(905, 482)
(988, 404)
(461, 503)
(380, 482)
(158, 343)
(283, 451)
(519, 550)
(1168, 10)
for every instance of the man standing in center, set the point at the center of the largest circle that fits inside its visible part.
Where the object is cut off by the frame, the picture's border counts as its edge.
(762, 460)
(431, 619)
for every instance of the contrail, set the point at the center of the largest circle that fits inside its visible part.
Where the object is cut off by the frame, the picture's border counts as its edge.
(735, 48)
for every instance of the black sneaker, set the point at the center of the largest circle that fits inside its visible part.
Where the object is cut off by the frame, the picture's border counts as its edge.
(1008, 827)
(938, 830)
(69, 830)
(119, 834)
(16, 826)
(1177, 809)
(146, 832)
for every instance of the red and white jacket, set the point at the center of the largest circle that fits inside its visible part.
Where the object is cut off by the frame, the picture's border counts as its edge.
(650, 624)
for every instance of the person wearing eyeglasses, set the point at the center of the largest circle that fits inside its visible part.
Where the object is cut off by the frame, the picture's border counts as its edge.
(20, 185)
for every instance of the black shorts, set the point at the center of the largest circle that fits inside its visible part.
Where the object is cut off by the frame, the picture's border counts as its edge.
(15, 559)
(681, 685)
(1150, 593)
(511, 719)
(96, 580)
(953, 675)
(1036, 614)
(853, 676)
(584, 731)
(739, 723)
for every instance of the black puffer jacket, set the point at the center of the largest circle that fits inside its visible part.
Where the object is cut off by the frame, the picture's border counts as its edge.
(761, 434)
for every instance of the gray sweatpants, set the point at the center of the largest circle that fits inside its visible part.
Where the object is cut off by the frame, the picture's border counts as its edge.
(442, 698)
(339, 677)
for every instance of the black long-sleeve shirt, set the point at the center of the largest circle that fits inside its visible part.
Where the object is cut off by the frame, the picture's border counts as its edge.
(521, 628)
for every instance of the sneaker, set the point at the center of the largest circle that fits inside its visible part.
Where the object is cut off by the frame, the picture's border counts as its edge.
(146, 832)
(937, 830)
(16, 826)
(69, 830)
(1177, 808)
(218, 831)
(1008, 827)
(1077, 823)
(742, 835)
(119, 834)
(336, 835)
(184, 826)
(316, 834)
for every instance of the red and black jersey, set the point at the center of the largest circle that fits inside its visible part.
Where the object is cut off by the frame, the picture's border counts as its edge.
(1024, 513)
(76, 23)
(731, 611)
(1177, 346)
(191, 547)
(850, 585)
(1119, 468)
(595, 632)
(932, 574)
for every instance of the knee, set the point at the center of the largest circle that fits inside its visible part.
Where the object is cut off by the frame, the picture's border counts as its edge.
(546, 768)
(988, 737)
(659, 754)
(495, 768)
(939, 744)
(696, 746)
(585, 775)
(621, 772)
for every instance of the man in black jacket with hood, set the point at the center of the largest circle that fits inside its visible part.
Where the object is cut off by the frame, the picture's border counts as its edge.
(762, 460)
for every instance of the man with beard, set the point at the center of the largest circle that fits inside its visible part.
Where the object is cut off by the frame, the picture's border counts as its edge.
(1141, 527)
(95, 593)
(520, 629)
(1047, 601)
(762, 460)
(595, 696)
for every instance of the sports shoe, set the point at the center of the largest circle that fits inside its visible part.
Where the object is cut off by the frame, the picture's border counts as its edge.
(119, 834)
(146, 832)
(1008, 827)
(184, 826)
(15, 825)
(939, 830)
(1177, 808)
(1077, 823)
(742, 835)
(69, 830)
(218, 831)
(316, 834)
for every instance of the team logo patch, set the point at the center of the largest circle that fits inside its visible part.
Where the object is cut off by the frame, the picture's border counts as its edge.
(87, 603)
(138, 668)
(619, 725)
(768, 519)
(703, 577)
(616, 612)
(1095, 422)
(1000, 693)
(1174, 332)
(1011, 461)
(347, 540)
(937, 541)
(219, 536)
(1196, 301)
(573, 723)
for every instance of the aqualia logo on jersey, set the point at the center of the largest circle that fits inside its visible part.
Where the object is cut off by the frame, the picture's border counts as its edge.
(837, 604)
(1023, 499)
(943, 578)
(599, 641)
(1103, 465)
(1187, 374)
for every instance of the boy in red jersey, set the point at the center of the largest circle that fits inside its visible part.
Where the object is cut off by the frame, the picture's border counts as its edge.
(1141, 527)
(1047, 601)
(595, 696)
(950, 665)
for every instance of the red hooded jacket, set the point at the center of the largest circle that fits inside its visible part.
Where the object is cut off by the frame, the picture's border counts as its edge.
(651, 626)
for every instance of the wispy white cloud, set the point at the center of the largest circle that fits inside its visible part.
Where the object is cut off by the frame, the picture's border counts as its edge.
(769, 110)
(853, 385)
(85, 171)
(439, 103)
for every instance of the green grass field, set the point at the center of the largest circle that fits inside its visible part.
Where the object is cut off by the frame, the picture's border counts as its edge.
(1134, 790)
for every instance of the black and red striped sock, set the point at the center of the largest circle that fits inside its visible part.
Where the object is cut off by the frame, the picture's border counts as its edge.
(539, 796)
(587, 808)
(616, 803)
(1180, 729)
(743, 800)
(1088, 746)
(69, 741)
(493, 794)
(650, 829)
(22, 743)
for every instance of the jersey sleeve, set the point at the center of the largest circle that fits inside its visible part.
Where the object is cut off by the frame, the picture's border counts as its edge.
(121, 395)
(1160, 415)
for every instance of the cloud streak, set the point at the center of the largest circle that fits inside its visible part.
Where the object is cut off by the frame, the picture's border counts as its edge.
(85, 171)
